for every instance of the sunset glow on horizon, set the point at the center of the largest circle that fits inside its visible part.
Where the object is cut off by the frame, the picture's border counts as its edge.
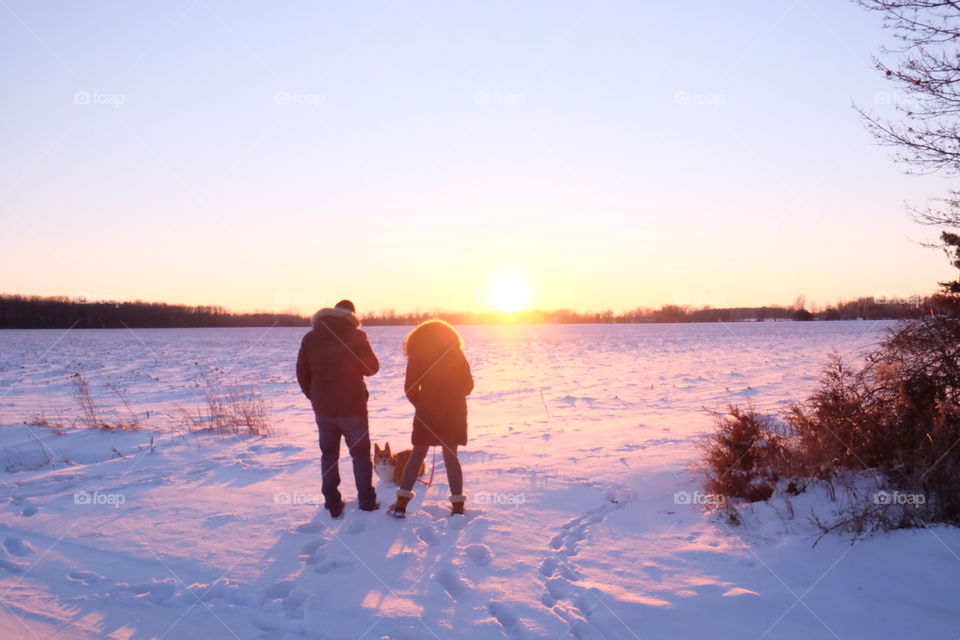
(629, 156)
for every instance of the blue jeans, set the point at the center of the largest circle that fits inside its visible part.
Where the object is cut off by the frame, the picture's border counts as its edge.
(355, 430)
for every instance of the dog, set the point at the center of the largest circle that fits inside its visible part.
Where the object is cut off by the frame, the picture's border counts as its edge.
(389, 466)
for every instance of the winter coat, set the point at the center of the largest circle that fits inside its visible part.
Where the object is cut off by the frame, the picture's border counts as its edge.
(438, 390)
(333, 360)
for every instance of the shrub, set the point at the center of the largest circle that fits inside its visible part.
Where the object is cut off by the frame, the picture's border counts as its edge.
(895, 418)
(744, 455)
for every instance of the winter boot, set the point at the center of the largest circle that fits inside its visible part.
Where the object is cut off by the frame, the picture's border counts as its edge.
(456, 505)
(335, 509)
(399, 508)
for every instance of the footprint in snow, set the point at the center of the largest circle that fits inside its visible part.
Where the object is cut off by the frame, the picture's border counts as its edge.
(576, 530)
(479, 554)
(427, 534)
(506, 617)
(311, 527)
(86, 577)
(277, 591)
(557, 588)
(17, 547)
(309, 548)
(313, 552)
(547, 567)
(29, 511)
(293, 603)
(436, 512)
(13, 567)
(586, 601)
(453, 584)
(567, 543)
(354, 527)
(316, 556)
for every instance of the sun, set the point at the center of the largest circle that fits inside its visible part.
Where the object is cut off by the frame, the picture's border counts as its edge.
(510, 292)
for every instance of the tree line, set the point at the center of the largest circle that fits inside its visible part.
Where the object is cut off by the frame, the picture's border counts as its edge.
(869, 308)
(33, 312)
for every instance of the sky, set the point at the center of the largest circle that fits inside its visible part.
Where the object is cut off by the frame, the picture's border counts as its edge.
(610, 155)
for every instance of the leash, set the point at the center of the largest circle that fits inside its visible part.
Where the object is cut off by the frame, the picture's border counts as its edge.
(433, 468)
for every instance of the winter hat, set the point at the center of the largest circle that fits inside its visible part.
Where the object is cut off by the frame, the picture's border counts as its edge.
(335, 312)
(346, 304)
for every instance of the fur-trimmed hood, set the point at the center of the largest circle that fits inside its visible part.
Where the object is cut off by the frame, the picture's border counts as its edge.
(334, 312)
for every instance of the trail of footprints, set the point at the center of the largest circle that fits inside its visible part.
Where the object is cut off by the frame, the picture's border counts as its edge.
(440, 534)
(579, 607)
(575, 605)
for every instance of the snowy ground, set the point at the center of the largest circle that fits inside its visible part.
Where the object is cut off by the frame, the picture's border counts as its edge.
(578, 472)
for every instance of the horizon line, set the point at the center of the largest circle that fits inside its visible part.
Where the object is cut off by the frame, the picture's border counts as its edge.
(82, 299)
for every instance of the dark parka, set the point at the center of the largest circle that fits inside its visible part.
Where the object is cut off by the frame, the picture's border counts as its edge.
(334, 357)
(438, 389)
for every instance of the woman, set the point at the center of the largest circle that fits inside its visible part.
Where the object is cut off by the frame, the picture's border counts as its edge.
(438, 382)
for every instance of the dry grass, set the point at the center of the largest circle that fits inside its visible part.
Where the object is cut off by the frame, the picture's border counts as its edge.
(237, 410)
(90, 416)
(40, 420)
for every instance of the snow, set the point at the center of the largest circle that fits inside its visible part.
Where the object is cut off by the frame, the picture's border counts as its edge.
(584, 517)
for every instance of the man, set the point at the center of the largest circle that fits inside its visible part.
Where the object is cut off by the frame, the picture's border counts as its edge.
(334, 357)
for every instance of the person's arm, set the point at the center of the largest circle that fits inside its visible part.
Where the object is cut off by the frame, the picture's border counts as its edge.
(303, 367)
(411, 383)
(365, 352)
(467, 377)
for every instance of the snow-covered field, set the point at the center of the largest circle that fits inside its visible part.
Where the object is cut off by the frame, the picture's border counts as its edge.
(580, 519)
